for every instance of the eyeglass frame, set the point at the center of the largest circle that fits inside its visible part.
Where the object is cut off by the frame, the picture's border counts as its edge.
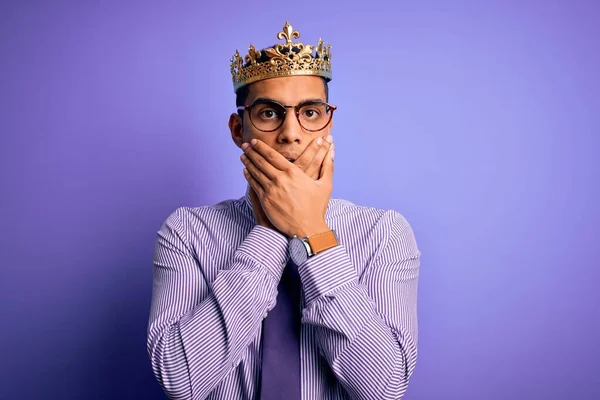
(248, 109)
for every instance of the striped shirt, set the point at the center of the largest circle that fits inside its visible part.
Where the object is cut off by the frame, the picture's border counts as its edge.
(215, 280)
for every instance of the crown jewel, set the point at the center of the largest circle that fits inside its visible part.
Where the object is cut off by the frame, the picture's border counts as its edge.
(289, 59)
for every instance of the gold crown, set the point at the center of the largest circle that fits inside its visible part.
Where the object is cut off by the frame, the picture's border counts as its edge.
(287, 59)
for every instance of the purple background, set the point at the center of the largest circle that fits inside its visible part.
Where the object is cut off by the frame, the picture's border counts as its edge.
(478, 122)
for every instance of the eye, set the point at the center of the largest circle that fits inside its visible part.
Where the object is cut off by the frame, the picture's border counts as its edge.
(268, 113)
(311, 113)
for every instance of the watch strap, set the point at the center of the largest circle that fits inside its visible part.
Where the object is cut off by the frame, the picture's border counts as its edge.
(322, 241)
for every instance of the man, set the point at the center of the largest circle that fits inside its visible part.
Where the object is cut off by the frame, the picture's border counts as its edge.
(284, 293)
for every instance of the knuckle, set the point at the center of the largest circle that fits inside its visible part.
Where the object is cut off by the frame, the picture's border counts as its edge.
(266, 200)
(276, 180)
(290, 173)
(279, 179)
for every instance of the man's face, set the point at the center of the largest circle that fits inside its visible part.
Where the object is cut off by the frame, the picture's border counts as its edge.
(291, 138)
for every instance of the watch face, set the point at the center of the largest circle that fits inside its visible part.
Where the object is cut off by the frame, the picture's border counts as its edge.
(298, 252)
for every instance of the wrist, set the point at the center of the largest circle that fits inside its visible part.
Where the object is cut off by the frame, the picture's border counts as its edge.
(302, 248)
(313, 229)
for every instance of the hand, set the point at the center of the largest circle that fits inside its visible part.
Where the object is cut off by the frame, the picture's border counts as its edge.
(293, 202)
(311, 159)
(260, 217)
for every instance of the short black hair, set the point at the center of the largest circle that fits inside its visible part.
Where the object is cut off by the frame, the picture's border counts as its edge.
(242, 94)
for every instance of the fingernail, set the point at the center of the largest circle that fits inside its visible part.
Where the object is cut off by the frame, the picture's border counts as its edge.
(253, 141)
(245, 146)
(319, 141)
(332, 154)
(329, 139)
(243, 157)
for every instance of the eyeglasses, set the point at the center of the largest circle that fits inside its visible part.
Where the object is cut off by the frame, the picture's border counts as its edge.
(269, 115)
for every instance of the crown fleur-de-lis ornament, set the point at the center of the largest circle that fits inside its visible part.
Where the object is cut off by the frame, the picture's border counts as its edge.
(253, 55)
(288, 33)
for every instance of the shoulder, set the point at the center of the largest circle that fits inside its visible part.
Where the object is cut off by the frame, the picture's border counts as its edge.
(388, 227)
(346, 210)
(187, 221)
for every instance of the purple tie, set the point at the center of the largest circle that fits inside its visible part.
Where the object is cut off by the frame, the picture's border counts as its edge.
(280, 374)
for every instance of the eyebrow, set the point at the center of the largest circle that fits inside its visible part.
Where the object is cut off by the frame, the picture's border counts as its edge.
(315, 100)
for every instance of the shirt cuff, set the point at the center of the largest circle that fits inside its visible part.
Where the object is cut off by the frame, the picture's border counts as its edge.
(325, 272)
(267, 248)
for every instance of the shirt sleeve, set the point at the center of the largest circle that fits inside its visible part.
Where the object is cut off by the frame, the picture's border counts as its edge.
(198, 330)
(367, 328)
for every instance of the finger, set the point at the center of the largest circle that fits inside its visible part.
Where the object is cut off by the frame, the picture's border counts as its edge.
(273, 158)
(327, 168)
(308, 155)
(253, 182)
(259, 161)
(315, 166)
(256, 173)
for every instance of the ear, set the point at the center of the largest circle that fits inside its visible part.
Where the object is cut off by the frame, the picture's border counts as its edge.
(236, 127)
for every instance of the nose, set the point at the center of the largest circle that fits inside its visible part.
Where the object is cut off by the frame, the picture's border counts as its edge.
(290, 131)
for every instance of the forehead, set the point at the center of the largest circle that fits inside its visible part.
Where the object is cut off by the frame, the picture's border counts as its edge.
(289, 89)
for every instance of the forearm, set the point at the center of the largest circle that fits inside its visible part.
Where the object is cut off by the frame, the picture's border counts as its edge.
(369, 355)
(369, 358)
(192, 351)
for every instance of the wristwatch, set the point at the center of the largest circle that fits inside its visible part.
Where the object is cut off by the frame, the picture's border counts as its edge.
(303, 248)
